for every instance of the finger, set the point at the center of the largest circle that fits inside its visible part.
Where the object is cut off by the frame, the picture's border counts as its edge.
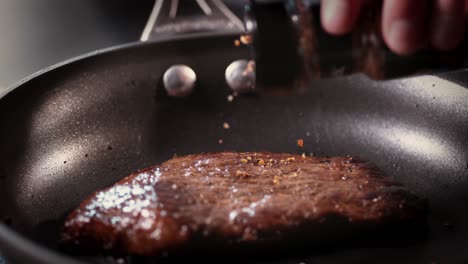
(339, 16)
(447, 25)
(404, 25)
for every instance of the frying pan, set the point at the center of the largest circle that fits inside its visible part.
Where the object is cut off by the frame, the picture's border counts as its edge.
(86, 123)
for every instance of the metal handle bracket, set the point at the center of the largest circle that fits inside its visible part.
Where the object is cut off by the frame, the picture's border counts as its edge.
(171, 18)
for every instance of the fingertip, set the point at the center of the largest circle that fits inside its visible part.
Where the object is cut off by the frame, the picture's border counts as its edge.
(404, 25)
(447, 25)
(402, 38)
(339, 16)
(440, 41)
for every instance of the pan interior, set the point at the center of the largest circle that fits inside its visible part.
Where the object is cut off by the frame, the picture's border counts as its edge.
(86, 125)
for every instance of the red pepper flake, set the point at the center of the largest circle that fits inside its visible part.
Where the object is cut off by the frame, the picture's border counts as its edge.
(300, 143)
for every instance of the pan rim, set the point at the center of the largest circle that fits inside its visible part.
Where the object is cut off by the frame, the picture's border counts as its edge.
(108, 50)
(13, 243)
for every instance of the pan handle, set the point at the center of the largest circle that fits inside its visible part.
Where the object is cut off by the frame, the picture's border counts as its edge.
(175, 18)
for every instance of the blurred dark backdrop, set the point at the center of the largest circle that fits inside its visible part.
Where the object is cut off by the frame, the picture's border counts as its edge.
(37, 34)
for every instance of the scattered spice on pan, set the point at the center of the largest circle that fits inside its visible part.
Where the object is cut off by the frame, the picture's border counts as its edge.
(226, 125)
(300, 142)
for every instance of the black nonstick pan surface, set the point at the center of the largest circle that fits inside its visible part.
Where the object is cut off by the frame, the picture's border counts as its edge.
(82, 126)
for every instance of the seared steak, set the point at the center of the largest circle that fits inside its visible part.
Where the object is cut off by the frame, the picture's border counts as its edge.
(240, 199)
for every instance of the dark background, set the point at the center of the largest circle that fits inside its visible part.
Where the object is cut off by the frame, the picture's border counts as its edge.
(37, 34)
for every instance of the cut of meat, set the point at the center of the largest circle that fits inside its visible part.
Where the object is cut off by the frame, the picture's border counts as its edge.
(239, 198)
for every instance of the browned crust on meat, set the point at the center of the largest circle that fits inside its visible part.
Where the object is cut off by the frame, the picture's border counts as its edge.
(242, 198)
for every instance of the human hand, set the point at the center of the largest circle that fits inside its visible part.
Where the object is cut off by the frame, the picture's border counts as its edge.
(407, 25)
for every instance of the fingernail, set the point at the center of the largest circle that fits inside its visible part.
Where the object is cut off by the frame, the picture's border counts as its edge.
(404, 36)
(445, 34)
(334, 13)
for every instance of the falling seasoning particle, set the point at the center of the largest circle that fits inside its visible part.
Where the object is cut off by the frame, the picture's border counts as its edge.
(230, 98)
(246, 39)
(300, 143)
(226, 125)
(303, 155)
(220, 141)
(237, 43)
(249, 69)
